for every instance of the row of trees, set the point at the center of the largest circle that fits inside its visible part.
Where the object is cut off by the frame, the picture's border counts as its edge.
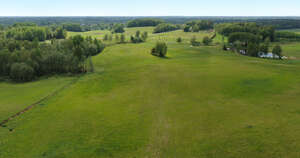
(164, 27)
(31, 33)
(264, 32)
(139, 38)
(25, 60)
(75, 27)
(144, 22)
(287, 36)
(196, 26)
(119, 38)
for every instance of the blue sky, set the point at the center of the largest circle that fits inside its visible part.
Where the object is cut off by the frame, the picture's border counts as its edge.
(150, 8)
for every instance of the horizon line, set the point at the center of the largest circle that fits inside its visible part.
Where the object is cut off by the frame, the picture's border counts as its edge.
(148, 16)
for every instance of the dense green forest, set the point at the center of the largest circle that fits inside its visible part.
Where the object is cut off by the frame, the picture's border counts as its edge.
(28, 52)
(94, 23)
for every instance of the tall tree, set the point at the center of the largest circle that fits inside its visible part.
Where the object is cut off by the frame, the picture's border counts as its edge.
(277, 51)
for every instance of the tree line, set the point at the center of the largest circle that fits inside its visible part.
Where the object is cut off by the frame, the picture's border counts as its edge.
(165, 27)
(277, 22)
(263, 32)
(196, 26)
(31, 33)
(287, 36)
(144, 22)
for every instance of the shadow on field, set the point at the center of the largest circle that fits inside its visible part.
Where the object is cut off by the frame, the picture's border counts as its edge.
(164, 58)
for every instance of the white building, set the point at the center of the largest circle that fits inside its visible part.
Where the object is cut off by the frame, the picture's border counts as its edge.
(269, 55)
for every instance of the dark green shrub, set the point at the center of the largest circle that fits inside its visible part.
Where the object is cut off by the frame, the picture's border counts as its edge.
(122, 38)
(194, 42)
(253, 49)
(105, 37)
(206, 41)
(144, 36)
(118, 28)
(160, 49)
(277, 50)
(4, 62)
(179, 40)
(138, 38)
(21, 72)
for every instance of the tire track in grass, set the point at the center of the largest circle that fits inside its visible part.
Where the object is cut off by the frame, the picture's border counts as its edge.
(4, 122)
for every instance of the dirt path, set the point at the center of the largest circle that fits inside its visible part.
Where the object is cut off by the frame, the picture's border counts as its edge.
(4, 122)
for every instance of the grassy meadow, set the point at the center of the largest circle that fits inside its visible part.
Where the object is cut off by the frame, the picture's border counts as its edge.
(197, 102)
(17, 96)
(292, 50)
(168, 36)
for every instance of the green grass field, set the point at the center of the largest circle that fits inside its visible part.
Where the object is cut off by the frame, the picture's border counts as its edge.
(292, 30)
(197, 102)
(292, 49)
(15, 97)
(169, 36)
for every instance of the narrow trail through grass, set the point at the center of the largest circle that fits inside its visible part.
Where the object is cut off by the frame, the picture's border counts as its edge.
(4, 122)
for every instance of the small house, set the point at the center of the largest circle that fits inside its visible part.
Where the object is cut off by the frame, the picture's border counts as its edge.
(268, 55)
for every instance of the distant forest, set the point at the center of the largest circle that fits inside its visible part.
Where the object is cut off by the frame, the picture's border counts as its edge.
(90, 22)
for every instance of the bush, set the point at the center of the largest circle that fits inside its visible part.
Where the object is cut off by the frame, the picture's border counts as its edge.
(105, 37)
(118, 28)
(160, 49)
(206, 41)
(137, 38)
(122, 38)
(21, 72)
(194, 42)
(253, 49)
(277, 50)
(60, 33)
(179, 39)
(144, 36)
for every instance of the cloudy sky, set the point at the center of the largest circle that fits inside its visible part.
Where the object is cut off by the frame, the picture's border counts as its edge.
(150, 8)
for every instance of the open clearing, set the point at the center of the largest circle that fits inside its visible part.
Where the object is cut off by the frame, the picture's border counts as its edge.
(198, 102)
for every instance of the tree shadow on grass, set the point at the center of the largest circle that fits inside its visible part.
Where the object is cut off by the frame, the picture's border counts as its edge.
(163, 57)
